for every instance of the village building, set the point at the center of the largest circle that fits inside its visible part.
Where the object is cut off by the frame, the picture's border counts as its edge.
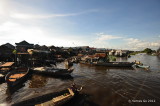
(97, 57)
(44, 48)
(36, 46)
(121, 53)
(9, 46)
(100, 50)
(6, 53)
(23, 46)
(52, 48)
(112, 52)
(22, 55)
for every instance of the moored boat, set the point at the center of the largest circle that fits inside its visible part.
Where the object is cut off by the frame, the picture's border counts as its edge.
(4, 69)
(51, 99)
(115, 64)
(110, 64)
(142, 66)
(17, 76)
(52, 71)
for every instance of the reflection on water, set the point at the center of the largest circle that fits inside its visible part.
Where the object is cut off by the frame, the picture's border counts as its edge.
(102, 86)
(37, 81)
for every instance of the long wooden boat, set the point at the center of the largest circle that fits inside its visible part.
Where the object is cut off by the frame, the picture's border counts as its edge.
(60, 99)
(17, 76)
(4, 69)
(110, 64)
(51, 99)
(52, 71)
(7, 64)
(115, 64)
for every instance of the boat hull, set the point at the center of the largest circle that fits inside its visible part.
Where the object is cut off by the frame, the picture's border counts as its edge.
(115, 64)
(54, 72)
(142, 66)
(48, 99)
(111, 64)
(19, 81)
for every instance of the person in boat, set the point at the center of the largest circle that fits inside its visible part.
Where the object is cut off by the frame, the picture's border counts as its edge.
(54, 63)
(74, 88)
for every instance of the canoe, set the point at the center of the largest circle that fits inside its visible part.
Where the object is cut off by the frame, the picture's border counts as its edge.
(17, 76)
(51, 99)
(52, 71)
(142, 66)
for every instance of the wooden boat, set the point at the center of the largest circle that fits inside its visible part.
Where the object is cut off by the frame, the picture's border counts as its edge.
(7, 64)
(4, 69)
(142, 66)
(17, 76)
(52, 71)
(51, 99)
(115, 64)
(110, 64)
(60, 99)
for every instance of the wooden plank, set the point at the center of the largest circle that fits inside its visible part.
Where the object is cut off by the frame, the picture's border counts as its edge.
(7, 64)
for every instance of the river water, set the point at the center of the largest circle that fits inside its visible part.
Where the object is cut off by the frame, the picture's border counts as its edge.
(102, 86)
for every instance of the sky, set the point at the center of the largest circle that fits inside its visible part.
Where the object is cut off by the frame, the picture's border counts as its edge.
(111, 24)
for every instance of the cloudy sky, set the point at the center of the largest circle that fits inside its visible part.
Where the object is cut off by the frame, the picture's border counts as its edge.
(119, 24)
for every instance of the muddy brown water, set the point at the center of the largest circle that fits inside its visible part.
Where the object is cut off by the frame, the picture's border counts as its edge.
(102, 86)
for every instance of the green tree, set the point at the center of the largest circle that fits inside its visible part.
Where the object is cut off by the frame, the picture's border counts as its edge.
(147, 50)
(14, 51)
(70, 49)
(158, 50)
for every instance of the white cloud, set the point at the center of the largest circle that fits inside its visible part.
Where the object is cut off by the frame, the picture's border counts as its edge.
(104, 37)
(43, 16)
(19, 22)
(14, 29)
(14, 32)
(155, 44)
(137, 44)
(132, 40)
(15, 10)
(128, 43)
